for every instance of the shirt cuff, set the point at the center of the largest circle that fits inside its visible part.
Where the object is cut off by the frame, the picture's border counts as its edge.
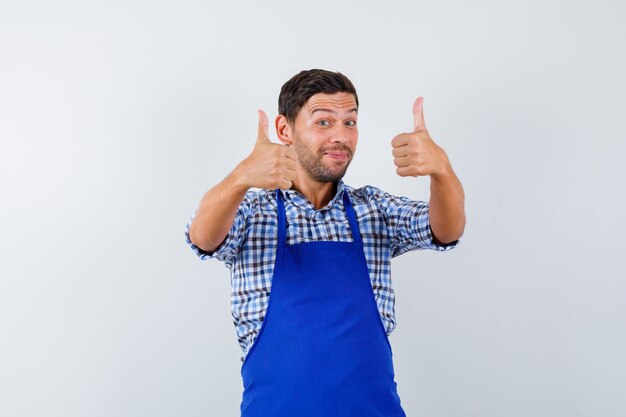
(201, 253)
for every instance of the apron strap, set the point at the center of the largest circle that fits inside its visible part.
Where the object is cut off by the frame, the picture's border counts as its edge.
(354, 226)
(282, 223)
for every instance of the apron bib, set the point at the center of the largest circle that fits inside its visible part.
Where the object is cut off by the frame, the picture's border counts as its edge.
(322, 350)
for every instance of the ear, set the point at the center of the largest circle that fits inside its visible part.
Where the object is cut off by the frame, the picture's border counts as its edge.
(283, 130)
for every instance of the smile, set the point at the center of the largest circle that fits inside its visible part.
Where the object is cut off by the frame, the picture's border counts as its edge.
(337, 155)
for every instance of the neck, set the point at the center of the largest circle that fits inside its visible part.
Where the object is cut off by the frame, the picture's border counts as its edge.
(318, 193)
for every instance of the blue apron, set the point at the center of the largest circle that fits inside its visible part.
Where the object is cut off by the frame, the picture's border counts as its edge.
(322, 350)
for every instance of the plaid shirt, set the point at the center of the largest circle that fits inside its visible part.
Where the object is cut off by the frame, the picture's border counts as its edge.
(389, 226)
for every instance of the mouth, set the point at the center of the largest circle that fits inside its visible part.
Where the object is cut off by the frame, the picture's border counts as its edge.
(342, 154)
(337, 156)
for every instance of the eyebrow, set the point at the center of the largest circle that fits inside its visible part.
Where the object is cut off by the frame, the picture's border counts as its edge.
(354, 110)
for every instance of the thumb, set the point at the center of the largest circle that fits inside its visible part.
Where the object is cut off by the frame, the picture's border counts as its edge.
(263, 127)
(418, 114)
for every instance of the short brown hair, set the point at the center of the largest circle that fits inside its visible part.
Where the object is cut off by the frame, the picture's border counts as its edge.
(302, 86)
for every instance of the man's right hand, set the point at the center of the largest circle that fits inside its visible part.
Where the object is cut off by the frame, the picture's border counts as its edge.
(270, 165)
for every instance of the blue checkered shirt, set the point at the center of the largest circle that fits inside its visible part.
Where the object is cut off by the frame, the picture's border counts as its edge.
(389, 226)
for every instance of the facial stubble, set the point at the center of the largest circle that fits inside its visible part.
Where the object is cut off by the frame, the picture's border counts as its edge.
(315, 167)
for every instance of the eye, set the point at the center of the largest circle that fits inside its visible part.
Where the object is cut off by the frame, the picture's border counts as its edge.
(351, 123)
(323, 123)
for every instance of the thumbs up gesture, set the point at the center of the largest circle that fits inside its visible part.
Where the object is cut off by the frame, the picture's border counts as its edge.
(270, 165)
(415, 153)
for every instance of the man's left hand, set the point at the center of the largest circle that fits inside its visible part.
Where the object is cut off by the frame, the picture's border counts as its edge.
(416, 153)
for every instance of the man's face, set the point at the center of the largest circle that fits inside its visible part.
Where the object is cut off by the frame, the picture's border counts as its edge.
(325, 135)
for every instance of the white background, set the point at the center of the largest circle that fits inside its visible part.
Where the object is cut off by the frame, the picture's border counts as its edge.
(116, 117)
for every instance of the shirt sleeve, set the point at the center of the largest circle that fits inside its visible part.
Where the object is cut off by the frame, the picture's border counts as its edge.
(409, 224)
(229, 248)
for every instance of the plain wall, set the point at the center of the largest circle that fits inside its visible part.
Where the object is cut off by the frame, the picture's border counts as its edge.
(117, 116)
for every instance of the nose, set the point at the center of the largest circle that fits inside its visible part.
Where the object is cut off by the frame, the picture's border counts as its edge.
(342, 134)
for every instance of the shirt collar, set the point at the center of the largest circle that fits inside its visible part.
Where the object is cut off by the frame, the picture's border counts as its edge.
(299, 200)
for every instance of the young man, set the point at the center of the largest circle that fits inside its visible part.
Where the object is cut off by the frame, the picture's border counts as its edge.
(310, 256)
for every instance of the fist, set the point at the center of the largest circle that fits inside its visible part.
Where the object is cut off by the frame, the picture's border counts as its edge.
(416, 153)
(270, 165)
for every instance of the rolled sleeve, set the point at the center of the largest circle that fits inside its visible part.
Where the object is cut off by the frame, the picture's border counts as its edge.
(229, 248)
(427, 236)
(409, 224)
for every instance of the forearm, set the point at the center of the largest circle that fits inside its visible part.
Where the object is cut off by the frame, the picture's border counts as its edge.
(447, 207)
(216, 213)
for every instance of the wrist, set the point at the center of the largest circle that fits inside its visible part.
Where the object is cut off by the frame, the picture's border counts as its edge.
(239, 178)
(444, 174)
